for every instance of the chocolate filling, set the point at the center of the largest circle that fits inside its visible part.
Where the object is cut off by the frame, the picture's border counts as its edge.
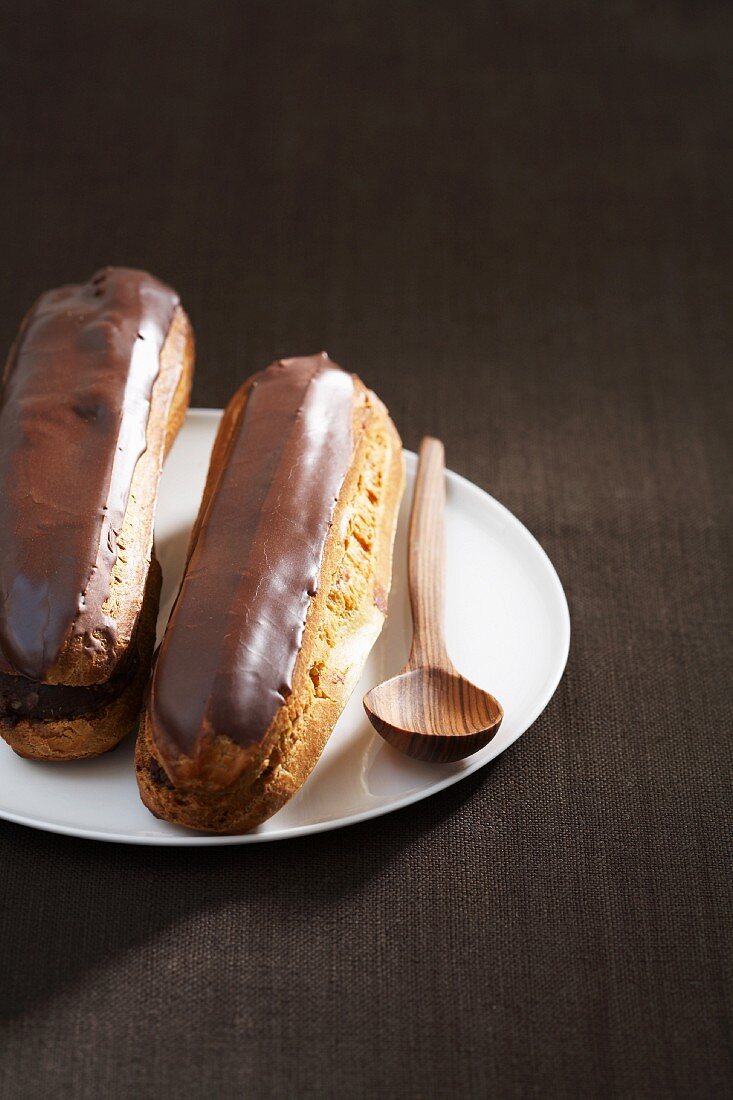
(21, 698)
(158, 775)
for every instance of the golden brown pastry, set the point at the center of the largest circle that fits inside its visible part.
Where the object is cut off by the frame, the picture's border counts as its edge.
(284, 594)
(94, 391)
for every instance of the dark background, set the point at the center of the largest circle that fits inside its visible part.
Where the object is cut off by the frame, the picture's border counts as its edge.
(514, 221)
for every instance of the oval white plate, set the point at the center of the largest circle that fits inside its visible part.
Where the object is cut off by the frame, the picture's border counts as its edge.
(508, 630)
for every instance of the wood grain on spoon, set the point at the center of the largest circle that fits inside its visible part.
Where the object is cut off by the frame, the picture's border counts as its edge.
(429, 710)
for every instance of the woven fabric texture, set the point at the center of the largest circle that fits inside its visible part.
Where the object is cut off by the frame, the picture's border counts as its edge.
(513, 220)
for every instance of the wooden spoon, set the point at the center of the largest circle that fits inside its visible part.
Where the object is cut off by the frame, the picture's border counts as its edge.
(429, 710)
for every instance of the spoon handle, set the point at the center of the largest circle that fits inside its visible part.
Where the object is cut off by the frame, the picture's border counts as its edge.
(426, 558)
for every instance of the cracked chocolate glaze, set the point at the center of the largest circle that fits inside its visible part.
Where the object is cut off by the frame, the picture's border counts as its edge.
(74, 412)
(227, 658)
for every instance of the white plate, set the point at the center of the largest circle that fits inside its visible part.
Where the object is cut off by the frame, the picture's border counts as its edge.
(508, 630)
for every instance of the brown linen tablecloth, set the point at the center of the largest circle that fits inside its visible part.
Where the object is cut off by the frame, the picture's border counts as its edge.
(514, 221)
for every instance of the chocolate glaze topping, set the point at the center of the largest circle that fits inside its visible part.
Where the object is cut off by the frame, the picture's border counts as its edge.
(227, 659)
(73, 420)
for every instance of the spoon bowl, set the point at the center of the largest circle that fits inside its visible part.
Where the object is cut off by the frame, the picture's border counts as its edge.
(433, 714)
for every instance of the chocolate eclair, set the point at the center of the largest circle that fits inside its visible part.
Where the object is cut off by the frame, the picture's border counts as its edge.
(284, 594)
(94, 391)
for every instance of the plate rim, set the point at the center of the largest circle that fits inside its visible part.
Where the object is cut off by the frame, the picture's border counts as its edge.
(195, 840)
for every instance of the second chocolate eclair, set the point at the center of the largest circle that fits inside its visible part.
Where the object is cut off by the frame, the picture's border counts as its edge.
(284, 594)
